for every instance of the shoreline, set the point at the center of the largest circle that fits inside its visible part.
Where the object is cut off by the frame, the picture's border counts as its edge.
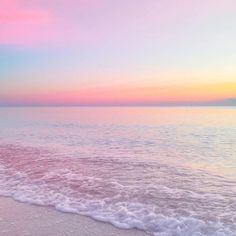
(23, 219)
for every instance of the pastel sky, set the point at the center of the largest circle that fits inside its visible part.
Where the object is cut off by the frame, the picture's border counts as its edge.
(117, 52)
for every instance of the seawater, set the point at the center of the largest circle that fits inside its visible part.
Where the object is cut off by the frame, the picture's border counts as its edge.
(167, 171)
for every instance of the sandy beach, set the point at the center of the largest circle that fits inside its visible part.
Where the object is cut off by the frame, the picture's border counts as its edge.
(22, 219)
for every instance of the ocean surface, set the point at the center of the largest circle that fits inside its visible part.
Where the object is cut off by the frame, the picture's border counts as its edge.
(167, 171)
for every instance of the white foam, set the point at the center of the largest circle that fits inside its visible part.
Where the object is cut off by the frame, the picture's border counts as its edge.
(118, 208)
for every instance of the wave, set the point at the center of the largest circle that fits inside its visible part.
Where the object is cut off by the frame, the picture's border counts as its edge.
(102, 191)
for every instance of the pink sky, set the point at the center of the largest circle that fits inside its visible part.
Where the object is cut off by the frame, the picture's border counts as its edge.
(139, 51)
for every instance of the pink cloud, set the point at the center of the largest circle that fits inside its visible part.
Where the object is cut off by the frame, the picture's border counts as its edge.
(52, 22)
(35, 23)
(20, 24)
(12, 11)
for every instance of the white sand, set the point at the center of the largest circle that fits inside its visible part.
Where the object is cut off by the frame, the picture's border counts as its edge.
(21, 219)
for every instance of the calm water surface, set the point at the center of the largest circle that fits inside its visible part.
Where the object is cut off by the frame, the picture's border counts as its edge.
(168, 171)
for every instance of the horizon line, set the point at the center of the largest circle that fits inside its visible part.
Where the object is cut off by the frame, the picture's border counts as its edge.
(221, 102)
(116, 105)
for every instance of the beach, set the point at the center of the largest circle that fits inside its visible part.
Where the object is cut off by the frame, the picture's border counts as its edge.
(117, 118)
(22, 219)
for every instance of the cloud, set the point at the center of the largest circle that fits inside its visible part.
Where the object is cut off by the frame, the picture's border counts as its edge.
(35, 23)
(25, 25)
(53, 22)
(11, 12)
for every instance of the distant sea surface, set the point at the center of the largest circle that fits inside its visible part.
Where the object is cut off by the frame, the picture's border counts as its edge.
(167, 171)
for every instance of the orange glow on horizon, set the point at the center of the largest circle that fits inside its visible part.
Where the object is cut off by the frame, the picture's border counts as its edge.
(187, 93)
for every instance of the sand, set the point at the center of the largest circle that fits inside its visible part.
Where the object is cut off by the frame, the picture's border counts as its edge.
(22, 219)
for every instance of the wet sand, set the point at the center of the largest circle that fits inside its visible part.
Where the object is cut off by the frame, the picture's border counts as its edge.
(22, 219)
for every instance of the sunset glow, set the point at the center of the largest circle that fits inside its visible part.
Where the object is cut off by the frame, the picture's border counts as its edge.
(89, 52)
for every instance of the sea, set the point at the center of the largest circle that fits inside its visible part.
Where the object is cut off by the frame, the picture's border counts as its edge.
(169, 171)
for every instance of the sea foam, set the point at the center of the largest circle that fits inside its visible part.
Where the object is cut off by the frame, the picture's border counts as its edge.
(40, 177)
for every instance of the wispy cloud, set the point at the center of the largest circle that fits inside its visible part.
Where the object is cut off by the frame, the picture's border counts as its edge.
(12, 12)
(64, 21)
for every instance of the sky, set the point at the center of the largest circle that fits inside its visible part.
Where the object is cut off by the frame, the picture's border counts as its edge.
(117, 52)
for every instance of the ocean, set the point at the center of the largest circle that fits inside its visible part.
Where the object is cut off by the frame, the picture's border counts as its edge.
(170, 171)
